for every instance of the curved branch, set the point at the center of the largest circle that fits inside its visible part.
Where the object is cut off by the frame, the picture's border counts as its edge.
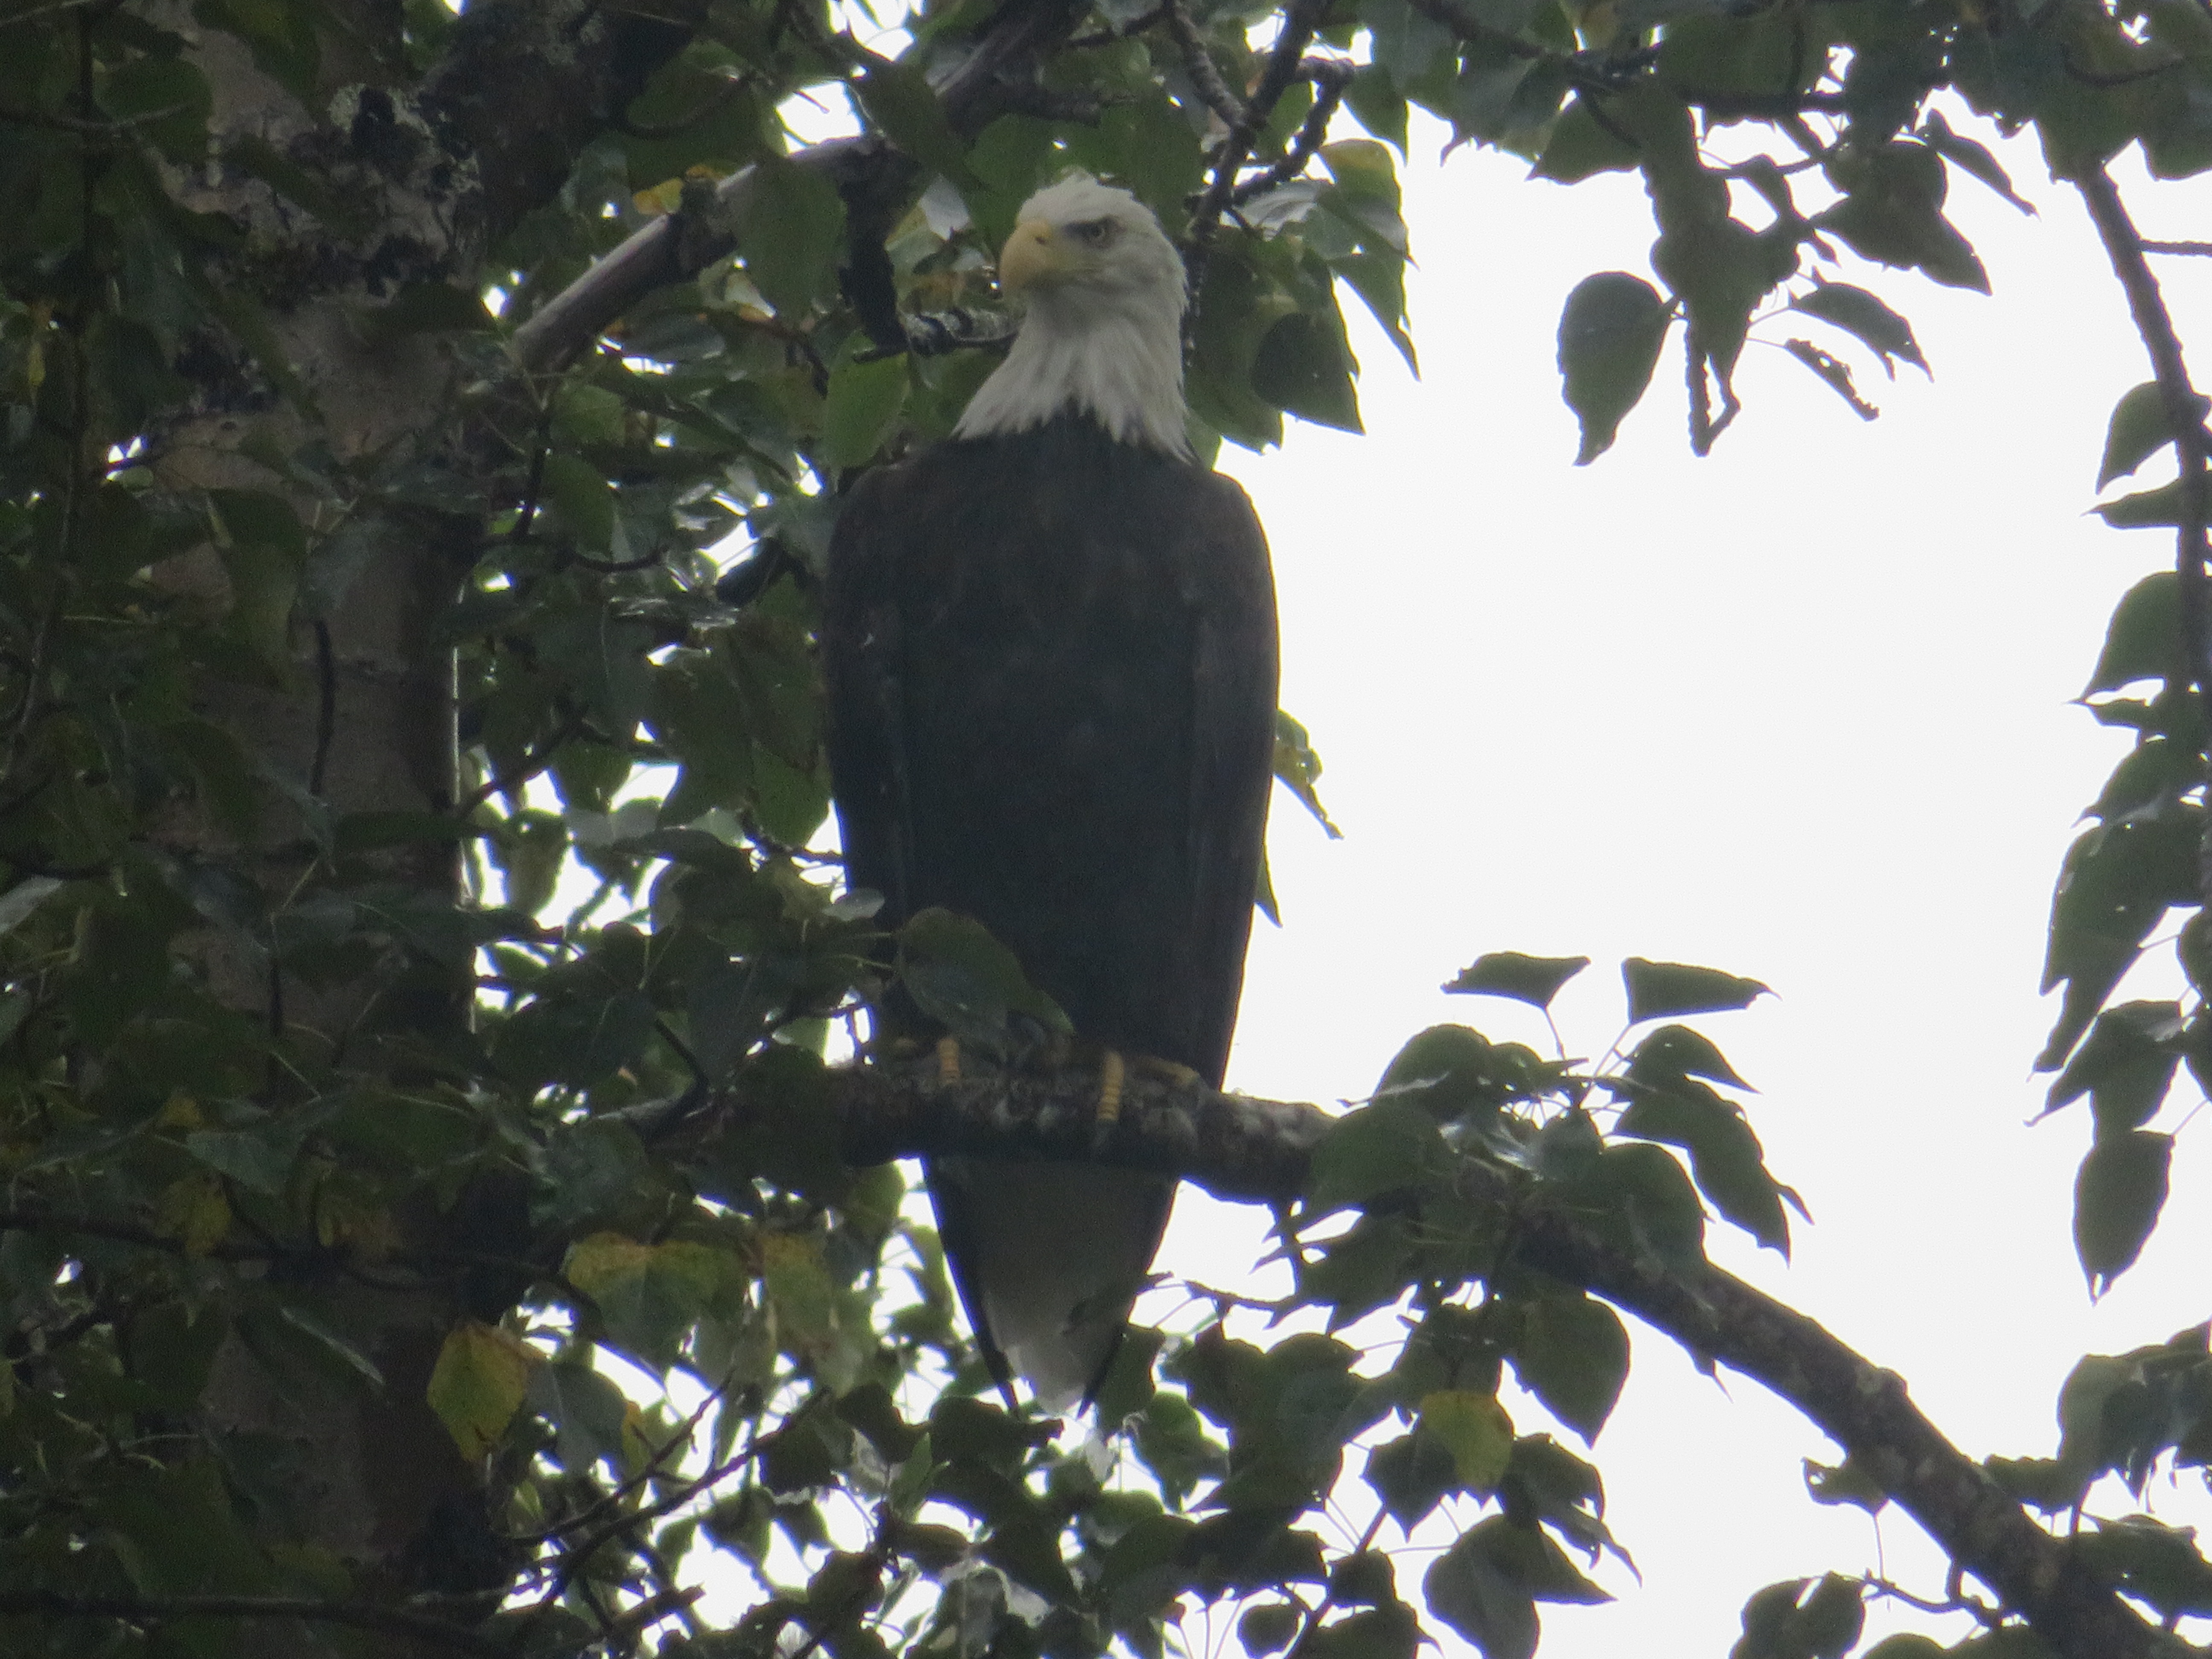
(1301, 18)
(1257, 1150)
(866, 172)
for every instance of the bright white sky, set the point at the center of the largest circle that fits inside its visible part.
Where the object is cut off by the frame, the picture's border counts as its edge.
(1799, 711)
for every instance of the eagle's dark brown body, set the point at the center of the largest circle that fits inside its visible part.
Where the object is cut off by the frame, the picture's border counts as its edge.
(1052, 674)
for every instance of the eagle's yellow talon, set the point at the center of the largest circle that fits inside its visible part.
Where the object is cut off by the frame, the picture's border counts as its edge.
(948, 1059)
(1110, 1074)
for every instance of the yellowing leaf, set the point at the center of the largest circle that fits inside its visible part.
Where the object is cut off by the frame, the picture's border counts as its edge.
(478, 1384)
(1476, 1430)
(598, 1263)
(180, 1111)
(194, 1212)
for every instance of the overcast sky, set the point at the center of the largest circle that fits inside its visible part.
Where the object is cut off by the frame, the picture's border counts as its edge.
(1800, 711)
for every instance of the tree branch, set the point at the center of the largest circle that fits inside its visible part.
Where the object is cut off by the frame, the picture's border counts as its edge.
(865, 171)
(1241, 1148)
(2125, 248)
(162, 1609)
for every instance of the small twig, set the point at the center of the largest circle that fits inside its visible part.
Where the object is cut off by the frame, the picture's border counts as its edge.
(676, 1441)
(326, 707)
(1955, 1602)
(1301, 18)
(2199, 250)
(533, 763)
(576, 1555)
(1331, 79)
(1199, 62)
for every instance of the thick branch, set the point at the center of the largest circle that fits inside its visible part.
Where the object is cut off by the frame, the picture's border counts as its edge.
(868, 173)
(1242, 1148)
(2184, 418)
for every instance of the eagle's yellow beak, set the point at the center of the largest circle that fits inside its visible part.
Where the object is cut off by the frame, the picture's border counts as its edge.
(1034, 254)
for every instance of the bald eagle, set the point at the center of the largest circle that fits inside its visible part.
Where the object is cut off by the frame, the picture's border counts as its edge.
(1050, 648)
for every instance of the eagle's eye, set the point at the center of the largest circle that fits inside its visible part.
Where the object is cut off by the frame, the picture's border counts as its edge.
(1093, 232)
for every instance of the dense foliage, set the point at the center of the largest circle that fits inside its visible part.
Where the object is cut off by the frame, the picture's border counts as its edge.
(421, 436)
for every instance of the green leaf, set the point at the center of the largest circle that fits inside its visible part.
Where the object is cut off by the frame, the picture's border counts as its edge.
(17, 903)
(263, 550)
(1386, 1632)
(1969, 157)
(1533, 980)
(2117, 1195)
(478, 1384)
(1382, 1148)
(1573, 1355)
(2137, 431)
(905, 107)
(585, 499)
(2143, 640)
(2125, 1065)
(1268, 1627)
(1867, 320)
(1847, 1482)
(1725, 1156)
(1479, 1595)
(1802, 1619)
(1448, 1071)
(650, 1295)
(967, 982)
(2162, 508)
(587, 1410)
(1476, 1430)
(1610, 333)
(2153, 1562)
(1892, 214)
(1678, 1051)
(1581, 145)
(1834, 373)
(1298, 765)
(863, 406)
(1656, 989)
(790, 228)
(1645, 1197)
(1303, 366)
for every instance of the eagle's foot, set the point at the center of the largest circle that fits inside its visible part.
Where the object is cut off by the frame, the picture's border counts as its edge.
(1111, 1072)
(948, 1059)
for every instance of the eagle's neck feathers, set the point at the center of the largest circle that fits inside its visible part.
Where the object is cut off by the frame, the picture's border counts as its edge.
(1119, 362)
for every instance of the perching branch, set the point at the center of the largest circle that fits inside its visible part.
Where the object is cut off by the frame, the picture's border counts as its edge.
(2183, 408)
(865, 171)
(1257, 1150)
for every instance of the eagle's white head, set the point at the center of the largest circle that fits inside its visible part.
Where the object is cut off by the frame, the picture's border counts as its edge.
(1102, 328)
